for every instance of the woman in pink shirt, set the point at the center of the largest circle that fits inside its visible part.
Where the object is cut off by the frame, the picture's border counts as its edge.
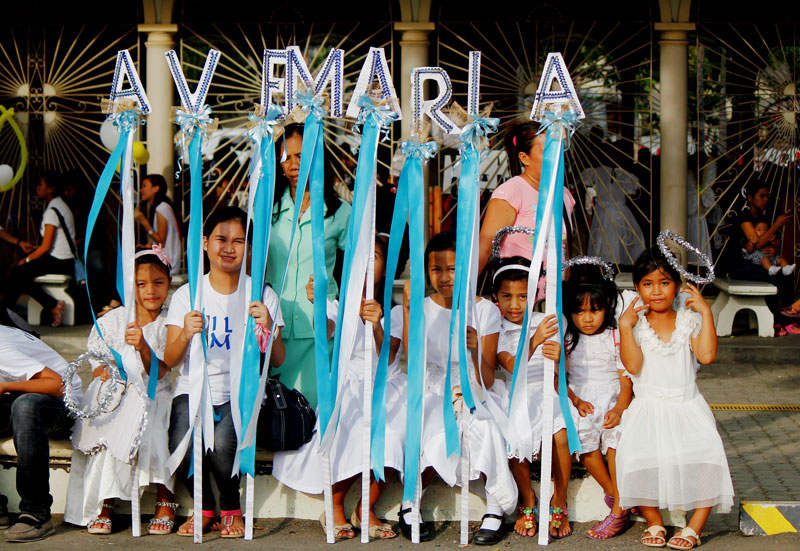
(514, 202)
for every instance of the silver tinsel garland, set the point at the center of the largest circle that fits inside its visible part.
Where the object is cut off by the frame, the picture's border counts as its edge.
(104, 400)
(673, 260)
(498, 238)
(608, 268)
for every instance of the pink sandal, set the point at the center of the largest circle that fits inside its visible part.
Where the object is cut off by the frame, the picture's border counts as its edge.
(780, 331)
(58, 313)
(792, 328)
(611, 526)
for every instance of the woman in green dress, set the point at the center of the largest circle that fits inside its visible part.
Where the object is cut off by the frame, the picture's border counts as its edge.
(298, 370)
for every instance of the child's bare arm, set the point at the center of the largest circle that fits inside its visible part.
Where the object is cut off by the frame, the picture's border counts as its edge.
(704, 345)
(506, 361)
(629, 351)
(614, 416)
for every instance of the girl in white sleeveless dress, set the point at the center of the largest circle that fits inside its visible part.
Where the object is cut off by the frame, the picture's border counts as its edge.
(598, 386)
(670, 454)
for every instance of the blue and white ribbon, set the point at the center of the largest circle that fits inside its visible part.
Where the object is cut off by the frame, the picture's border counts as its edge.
(476, 131)
(382, 114)
(311, 104)
(566, 123)
(409, 204)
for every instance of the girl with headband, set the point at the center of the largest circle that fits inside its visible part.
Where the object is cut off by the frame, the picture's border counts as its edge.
(510, 287)
(97, 478)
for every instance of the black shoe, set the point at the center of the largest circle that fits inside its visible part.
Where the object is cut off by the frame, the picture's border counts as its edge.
(405, 527)
(485, 536)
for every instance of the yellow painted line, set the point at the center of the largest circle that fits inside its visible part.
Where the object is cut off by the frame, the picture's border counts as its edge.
(754, 407)
(768, 518)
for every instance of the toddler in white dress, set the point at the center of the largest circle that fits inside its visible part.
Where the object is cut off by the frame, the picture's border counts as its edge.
(670, 454)
(598, 386)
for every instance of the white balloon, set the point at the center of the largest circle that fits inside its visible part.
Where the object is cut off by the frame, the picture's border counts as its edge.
(6, 173)
(109, 135)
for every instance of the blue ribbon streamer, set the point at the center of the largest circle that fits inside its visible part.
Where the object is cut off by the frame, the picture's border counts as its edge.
(194, 236)
(465, 214)
(262, 207)
(103, 185)
(363, 179)
(553, 161)
(409, 189)
(477, 129)
(152, 377)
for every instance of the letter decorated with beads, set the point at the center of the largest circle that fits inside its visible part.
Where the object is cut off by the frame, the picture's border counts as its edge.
(332, 71)
(433, 107)
(555, 87)
(192, 102)
(270, 84)
(375, 67)
(125, 68)
(474, 84)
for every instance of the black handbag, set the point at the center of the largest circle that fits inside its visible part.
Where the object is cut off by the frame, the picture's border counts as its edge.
(286, 421)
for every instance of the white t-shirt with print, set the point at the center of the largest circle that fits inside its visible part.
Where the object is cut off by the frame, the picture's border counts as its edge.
(219, 332)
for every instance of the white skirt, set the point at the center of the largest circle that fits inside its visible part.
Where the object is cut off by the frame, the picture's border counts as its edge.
(301, 469)
(670, 454)
(487, 452)
(535, 398)
(590, 428)
(94, 478)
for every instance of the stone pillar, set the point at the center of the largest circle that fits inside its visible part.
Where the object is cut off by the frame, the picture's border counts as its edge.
(413, 53)
(159, 86)
(674, 124)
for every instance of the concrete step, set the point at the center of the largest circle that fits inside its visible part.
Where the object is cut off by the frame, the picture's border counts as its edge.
(751, 349)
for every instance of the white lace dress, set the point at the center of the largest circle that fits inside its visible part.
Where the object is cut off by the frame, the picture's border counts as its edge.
(670, 454)
(594, 368)
(486, 443)
(508, 342)
(99, 475)
(302, 469)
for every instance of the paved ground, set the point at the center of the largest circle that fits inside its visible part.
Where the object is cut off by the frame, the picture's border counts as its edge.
(763, 450)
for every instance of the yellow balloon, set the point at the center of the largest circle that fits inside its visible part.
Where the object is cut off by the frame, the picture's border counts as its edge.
(140, 154)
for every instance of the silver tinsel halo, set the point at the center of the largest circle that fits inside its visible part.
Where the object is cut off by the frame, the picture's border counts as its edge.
(661, 240)
(498, 238)
(608, 268)
(104, 400)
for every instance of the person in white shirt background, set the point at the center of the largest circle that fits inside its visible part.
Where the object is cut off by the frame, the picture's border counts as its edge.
(52, 256)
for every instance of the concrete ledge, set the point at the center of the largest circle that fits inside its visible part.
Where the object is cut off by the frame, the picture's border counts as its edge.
(274, 500)
(767, 518)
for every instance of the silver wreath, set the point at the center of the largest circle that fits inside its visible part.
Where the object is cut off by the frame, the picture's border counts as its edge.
(104, 399)
(679, 240)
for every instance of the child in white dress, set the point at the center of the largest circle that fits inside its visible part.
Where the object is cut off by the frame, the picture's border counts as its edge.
(598, 386)
(510, 287)
(302, 469)
(670, 454)
(98, 474)
(486, 443)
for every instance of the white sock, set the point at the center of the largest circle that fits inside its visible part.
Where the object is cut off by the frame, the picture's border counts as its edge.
(774, 270)
(788, 269)
(492, 507)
